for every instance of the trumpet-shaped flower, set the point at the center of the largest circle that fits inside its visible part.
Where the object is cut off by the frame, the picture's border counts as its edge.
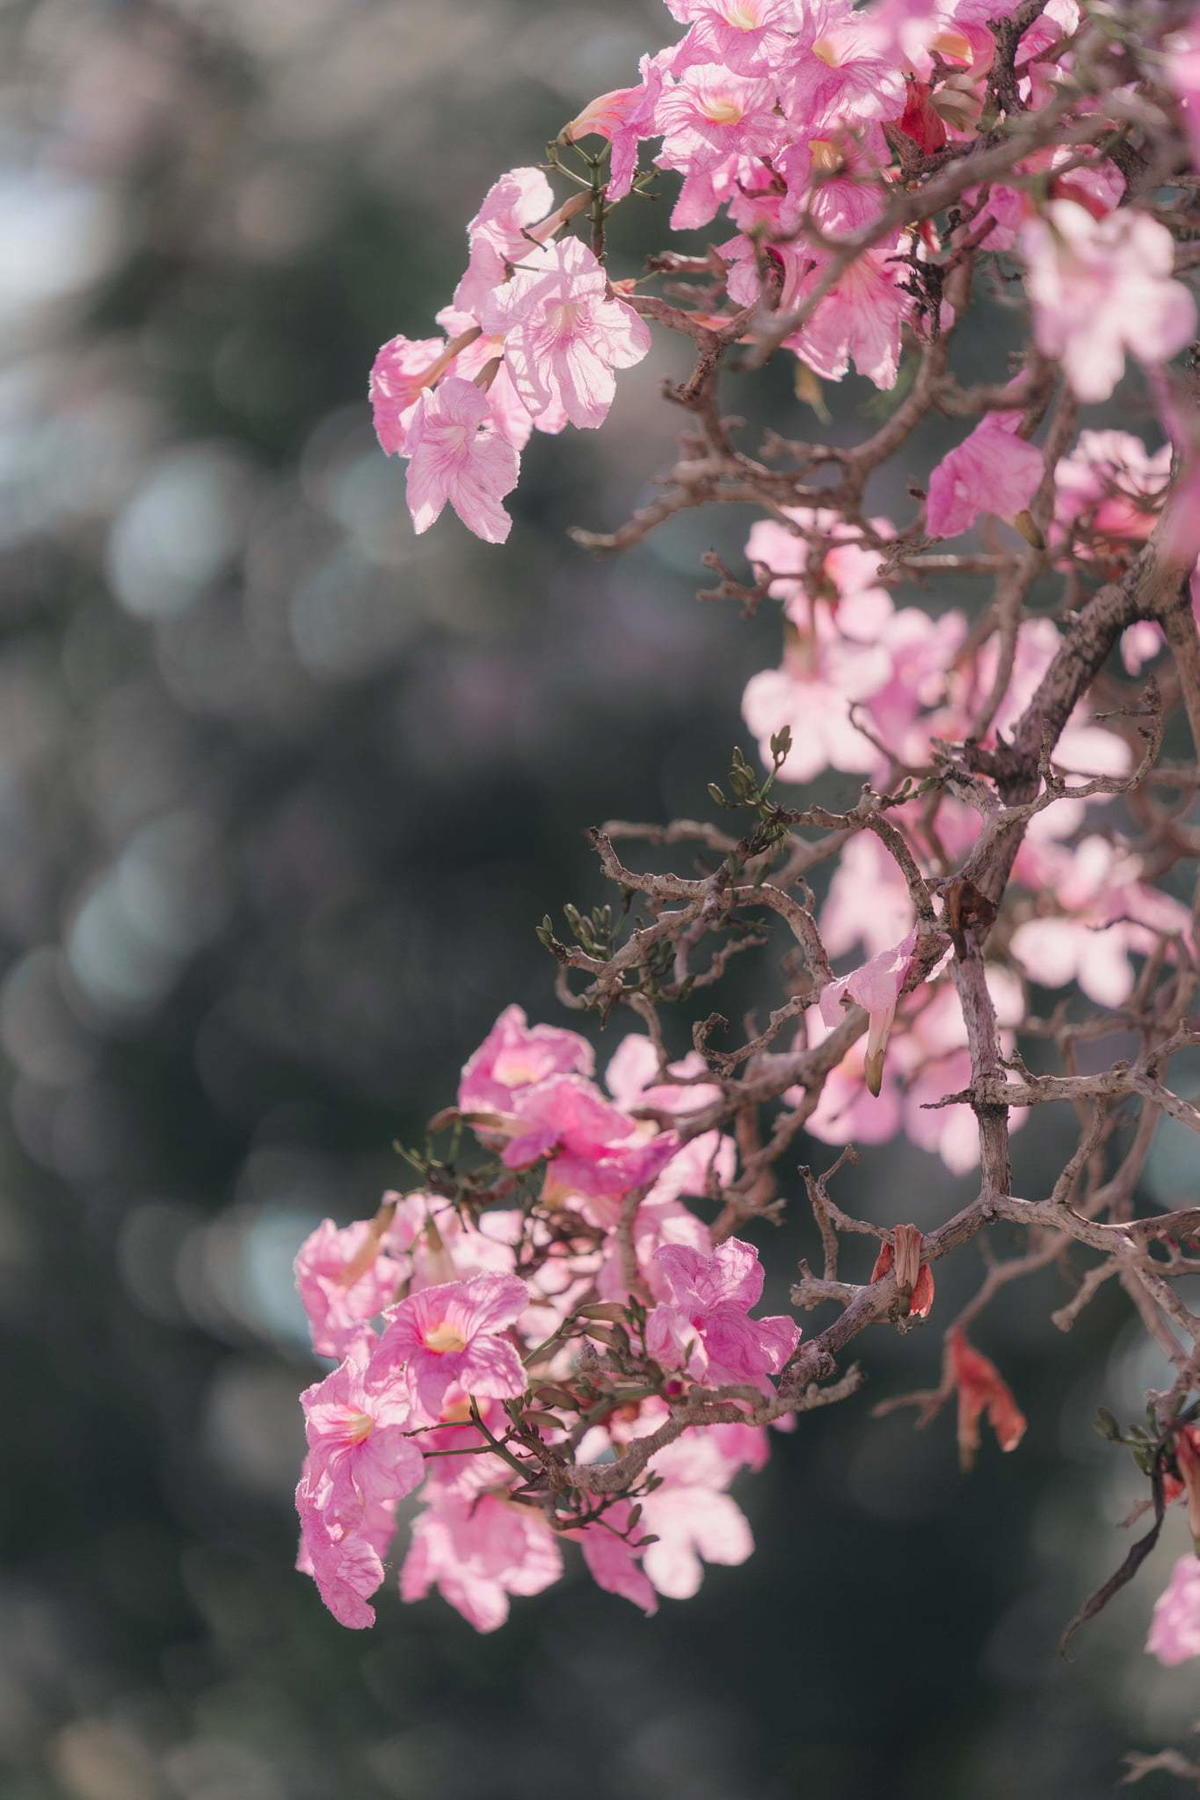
(705, 1327)
(359, 1452)
(991, 471)
(876, 987)
(515, 1056)
(344, 1278)
(499, 234)
(347, 1565)
(748, 37)
(1175, 1627)
(625, 116)
(1101, 288)
(477, 1551)
(456, 1334)
(564, 333)
(458, 454)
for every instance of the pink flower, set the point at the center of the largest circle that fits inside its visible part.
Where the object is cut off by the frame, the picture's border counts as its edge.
(564, 334)
(858, 320)
(625, 116)
(344, 1278)
(459, 455)
(1102, 287)
(840, 72)
(477, 1551)
(614, 1559)
(748, 37)
(868, 900)
(442, 1246)
(402, 370)
(515, 1056)
(705, 1328)
(347, 1566)
(1175, 1627)
(456, 1334)
(499, 233)
(876, 987)
(595, 1149)
(631, 1077)
(714, 123)
(991, 471)
(359, 1452)
(690, 1517)
(1102, 912)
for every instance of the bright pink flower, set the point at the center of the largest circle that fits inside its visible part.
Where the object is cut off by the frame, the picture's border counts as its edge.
(402, 370)
(359, 1452)
(714, 124)
(625, 117)
(515, 1056)
(632, 1079)
(441, 1246)
(991, 471)
(344, 1278)
(595, 1149)
(564, 333)
(840, 72)
(705, 1329)
(614, 1560)
(749, 37)
(858, 320)
(459, 455)
(347, 1566)
(876, 987)
(480, 356)
(1175, 1627)
(710, 115)
(1102, 287)
(477, 1552)
(456, 1334)
(689, 1515)
(499, 233)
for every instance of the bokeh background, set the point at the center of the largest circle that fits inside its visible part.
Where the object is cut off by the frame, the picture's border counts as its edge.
(284, 791)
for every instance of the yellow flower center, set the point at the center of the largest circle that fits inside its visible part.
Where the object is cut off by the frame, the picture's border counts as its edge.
(723, 110)
(562, 317)
(826, 157)
(825, 50)
(444, 1340)
(359, 1425)
(953, 44)
(514, 1069)
(742, 16)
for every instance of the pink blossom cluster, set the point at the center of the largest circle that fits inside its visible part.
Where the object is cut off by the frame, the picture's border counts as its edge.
(787, 118)
(530, 341)
(464, 1338)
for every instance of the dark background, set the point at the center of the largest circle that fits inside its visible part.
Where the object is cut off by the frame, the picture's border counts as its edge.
(284, 791)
